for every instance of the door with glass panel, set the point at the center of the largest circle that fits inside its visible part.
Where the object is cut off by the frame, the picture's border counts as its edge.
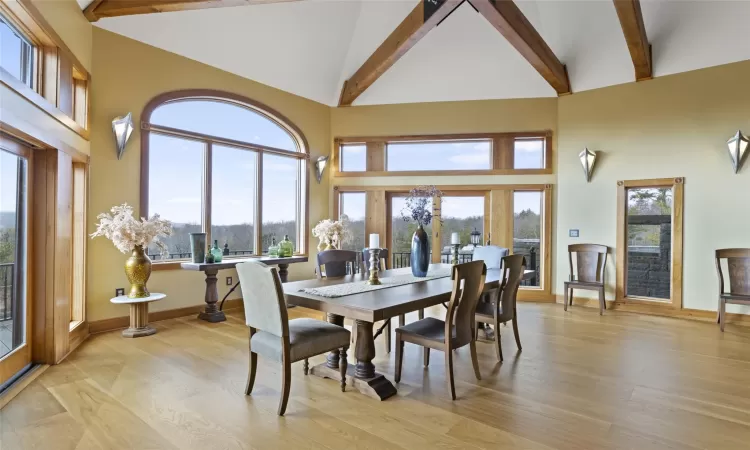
(15, 348)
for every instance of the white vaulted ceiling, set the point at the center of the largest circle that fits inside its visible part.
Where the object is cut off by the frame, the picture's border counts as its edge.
(311, 47)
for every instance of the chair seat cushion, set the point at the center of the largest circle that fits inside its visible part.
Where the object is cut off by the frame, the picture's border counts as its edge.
(585, 284)
(307, 337)
(429, 328)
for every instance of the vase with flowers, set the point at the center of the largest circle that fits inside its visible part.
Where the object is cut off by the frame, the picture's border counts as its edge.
(332, 233)
(418, 208)
(133, 236)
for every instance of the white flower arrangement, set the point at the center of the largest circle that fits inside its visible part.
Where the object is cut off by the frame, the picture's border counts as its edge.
(333, 232)
(127, 232)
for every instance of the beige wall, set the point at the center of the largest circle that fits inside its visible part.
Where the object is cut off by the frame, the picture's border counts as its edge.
(673, 126)
(66, 18)
(128, 75)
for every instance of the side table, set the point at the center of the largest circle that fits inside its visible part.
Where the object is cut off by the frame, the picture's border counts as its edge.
(138, 314)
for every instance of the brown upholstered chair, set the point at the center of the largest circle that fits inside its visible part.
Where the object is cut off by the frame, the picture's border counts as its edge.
(591, 259)
(456, 331)
(502, 305)
(275, 337)
(738, 265)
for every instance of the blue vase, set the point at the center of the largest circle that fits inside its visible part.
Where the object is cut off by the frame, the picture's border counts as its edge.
(420, 253)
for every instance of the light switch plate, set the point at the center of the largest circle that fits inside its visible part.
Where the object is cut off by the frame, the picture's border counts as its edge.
(119, 292)
(229, 281)
(573, 233)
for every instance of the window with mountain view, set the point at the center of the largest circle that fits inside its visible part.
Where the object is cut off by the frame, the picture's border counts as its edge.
(227, 168)
(527, 231)
(353, 206)
(461, 215)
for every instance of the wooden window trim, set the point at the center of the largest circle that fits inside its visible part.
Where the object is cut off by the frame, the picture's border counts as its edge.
(640, 304)
(302, 155)
(51, 54)
(501, 156)
(493, 220)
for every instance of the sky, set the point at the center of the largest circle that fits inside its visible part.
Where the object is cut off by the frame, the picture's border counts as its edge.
(8, 181)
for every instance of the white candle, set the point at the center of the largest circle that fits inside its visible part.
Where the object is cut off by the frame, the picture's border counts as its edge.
(374, 240)
(455, 239)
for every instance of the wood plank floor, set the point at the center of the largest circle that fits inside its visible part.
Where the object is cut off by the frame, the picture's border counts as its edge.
(620, 381)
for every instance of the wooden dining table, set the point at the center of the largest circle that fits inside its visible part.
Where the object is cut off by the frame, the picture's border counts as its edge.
(366, 308)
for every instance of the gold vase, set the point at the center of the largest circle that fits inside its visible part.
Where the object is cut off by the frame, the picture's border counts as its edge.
(138, 271)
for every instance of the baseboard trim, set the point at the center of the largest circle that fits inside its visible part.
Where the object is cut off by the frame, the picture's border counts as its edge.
(117, 323)
(701, 315)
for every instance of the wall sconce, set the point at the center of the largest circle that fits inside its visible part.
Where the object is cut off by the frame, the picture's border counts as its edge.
(320, 166)
(122, 127)
(588, 159)
(737, 149)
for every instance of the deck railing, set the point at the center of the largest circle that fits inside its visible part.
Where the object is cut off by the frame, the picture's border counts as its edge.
(7, 277)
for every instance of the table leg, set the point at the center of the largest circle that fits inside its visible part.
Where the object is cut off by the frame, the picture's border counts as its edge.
(332, 361)
(139, 322)
(284, 272)
(364, 350)
(212, 313)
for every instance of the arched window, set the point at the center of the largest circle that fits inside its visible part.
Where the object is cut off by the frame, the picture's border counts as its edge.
(222, 164)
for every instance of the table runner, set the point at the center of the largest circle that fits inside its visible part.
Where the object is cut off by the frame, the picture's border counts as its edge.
(358, 287)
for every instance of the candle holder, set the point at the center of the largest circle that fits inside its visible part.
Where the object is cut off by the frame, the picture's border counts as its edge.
(374, 267)
(455, 253)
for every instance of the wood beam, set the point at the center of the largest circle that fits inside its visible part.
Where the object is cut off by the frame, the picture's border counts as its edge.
(505, 16)
(631, 20)
(424, 17)
(113, 8)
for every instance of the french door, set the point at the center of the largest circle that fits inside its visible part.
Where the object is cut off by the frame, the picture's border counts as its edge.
(15, 345)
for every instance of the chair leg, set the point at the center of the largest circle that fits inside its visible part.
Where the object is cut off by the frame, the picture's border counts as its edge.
(402, 320)
(306, 366)
(285, 385)
(565, 299)
(498, 346)
(426, 356)
(387, 332)
(602, 304)
(570, 298)
(251, 373)
(354, 333)
(399, 357)
(474, 360)
(421, 314)
(722, 313)
(515, 332)
(343, 366)
(449, 371)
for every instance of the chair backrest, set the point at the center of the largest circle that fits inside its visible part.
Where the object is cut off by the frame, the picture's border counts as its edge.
(333, 263)
(263, 297)
(591, 260)
(514, 268)
(366, 259)
(492, 255)
(468, 285)
(738, 263)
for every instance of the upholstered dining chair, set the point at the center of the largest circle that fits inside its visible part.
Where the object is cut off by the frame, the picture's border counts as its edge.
(275, 337)
(738, 265)
(591, 260)
(502, 307)
(456, 331)
(334, 263)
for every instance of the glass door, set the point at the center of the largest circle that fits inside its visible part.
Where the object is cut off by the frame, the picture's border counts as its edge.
(15, 351)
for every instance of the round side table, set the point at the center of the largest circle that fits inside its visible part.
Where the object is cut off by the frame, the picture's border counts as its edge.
(138, 314)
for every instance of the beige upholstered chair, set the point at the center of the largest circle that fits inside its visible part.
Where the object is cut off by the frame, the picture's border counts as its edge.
(502, 306)
(275, 337)
(456, 331)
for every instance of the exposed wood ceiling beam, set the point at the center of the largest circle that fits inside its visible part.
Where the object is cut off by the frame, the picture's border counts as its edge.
(505, 16)
(112, 8)
(426, 15)
(631, 20)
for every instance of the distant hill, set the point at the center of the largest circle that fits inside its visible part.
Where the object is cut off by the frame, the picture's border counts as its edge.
(7, 219)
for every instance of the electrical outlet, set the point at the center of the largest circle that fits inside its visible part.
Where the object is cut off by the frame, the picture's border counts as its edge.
(229, 281)
(119, 292)
(573, 233)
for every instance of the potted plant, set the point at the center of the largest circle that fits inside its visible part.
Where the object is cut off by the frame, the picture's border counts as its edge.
(332, 233)
(133, 236)
(418, 208)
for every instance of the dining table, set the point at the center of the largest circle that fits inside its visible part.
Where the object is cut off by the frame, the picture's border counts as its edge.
(366, 308)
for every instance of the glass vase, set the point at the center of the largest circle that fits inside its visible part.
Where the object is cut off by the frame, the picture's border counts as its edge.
(420, 253)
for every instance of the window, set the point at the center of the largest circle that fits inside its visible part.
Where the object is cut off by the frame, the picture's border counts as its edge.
(353, 206)
(528, 153)
(439, 155)
(353, 157)
(460, 215)
(16, 53)
(527, 231)
(220, 164)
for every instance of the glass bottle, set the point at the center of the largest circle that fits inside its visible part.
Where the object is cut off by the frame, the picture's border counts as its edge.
(286, 248)
(217, 252)
(273, 250)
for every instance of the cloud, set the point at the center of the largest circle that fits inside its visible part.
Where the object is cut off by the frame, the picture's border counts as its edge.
(185, 200)
(531, 145)
(473, 158)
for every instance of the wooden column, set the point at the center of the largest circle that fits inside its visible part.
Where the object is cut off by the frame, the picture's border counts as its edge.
(376, 218)
(375, 157)
(503, 152)
(501, 205)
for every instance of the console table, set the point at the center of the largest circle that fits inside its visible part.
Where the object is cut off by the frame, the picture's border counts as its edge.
(211, 313)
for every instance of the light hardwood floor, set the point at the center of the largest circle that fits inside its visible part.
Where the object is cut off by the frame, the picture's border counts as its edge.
(620, 381)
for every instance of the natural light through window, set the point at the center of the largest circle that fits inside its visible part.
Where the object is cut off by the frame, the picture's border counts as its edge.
(353, 157)
(353, 205)
(16, 53)
(439, 155)
(528, 154)
(527, 231)
(460, 215)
